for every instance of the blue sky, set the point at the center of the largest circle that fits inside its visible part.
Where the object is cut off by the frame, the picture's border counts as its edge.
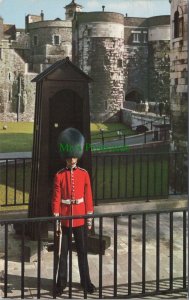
(14, 11)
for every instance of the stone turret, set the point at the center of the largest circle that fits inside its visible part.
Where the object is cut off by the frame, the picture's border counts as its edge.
(98, 48)
(32, 19)
(71, 9)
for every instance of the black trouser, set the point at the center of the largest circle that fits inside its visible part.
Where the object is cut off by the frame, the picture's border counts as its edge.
(80, 236)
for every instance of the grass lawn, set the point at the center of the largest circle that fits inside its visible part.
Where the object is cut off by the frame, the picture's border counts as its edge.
(109, 131)
(18, 185)
(18, 137)
(130, 177)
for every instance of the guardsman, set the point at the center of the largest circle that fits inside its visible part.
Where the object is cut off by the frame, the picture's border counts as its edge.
(72, 196)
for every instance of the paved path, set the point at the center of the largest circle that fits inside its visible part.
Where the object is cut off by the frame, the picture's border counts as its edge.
(14, 266)
(15, 155)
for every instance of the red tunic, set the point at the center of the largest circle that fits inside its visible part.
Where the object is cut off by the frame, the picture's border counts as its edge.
(72, 185)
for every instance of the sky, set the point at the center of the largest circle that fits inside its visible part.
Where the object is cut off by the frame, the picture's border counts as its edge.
(14, 11)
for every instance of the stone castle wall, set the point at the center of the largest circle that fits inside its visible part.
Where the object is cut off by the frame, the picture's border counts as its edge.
(179, 76)
(101, 44)
(15, 85)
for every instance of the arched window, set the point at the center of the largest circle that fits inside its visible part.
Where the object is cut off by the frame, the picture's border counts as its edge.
(70, 13)
(178, 23)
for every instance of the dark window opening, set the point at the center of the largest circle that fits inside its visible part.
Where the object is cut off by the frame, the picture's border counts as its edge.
(184, 96)
(106, 104)
(35, 40)
(56, 40)
(70, 13)
(145, 37)
(119, 63)
(89, 31)
(178, 24)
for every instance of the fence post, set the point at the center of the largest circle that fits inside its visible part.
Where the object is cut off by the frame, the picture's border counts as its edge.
(145, 137)
(102, 135)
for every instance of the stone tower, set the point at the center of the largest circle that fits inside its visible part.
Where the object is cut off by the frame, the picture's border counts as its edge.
(179, 86)
(98, 49)
(71, 9)
(179, 72)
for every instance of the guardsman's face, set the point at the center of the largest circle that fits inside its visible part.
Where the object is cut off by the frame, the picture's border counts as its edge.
(71, 162)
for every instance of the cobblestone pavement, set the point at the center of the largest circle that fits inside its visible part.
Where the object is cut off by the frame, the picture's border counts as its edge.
(30, 291)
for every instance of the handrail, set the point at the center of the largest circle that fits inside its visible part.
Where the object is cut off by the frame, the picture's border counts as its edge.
(95, 215)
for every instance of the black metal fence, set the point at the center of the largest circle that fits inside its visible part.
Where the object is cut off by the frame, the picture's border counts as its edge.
(116, 177)
(120, 136)
(15, 177)
(146, 176)
(148, 255)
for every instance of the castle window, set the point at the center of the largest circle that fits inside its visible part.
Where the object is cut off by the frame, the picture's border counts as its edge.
(178, 23)
(89, 31)
(70, 13)
(105, 104)
(56, 40)
(35, 40)
(136, 36)
(10, 96)
(145, 37)
(119, 63)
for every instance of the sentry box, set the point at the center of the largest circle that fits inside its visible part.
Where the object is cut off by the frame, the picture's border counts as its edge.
(62, 101)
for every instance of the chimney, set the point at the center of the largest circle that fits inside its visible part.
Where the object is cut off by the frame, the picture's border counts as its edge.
(103, 7)
(42, 15)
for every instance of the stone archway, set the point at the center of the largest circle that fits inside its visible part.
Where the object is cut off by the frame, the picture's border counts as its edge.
(134, 96)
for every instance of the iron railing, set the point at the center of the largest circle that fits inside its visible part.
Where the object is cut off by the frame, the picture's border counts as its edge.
(148, 256)
(144, 176)
(121, 134)
(116, 177)
(123, 138)
(15, 174)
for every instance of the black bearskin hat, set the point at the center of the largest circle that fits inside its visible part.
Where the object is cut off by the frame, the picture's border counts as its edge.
(71, 143)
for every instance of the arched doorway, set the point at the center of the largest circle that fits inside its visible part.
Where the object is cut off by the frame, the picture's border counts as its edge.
(66, 110)
(134, 96)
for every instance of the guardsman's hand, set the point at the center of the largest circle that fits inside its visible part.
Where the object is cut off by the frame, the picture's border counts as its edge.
(89, 223)
(58, 226)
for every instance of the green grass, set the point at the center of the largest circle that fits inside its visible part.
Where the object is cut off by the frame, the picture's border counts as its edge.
(123, 177)
(17, 191)
(131, 177)
(109, 131)
(18, 137)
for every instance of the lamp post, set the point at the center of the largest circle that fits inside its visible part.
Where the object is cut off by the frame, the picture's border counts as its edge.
(19, 96)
